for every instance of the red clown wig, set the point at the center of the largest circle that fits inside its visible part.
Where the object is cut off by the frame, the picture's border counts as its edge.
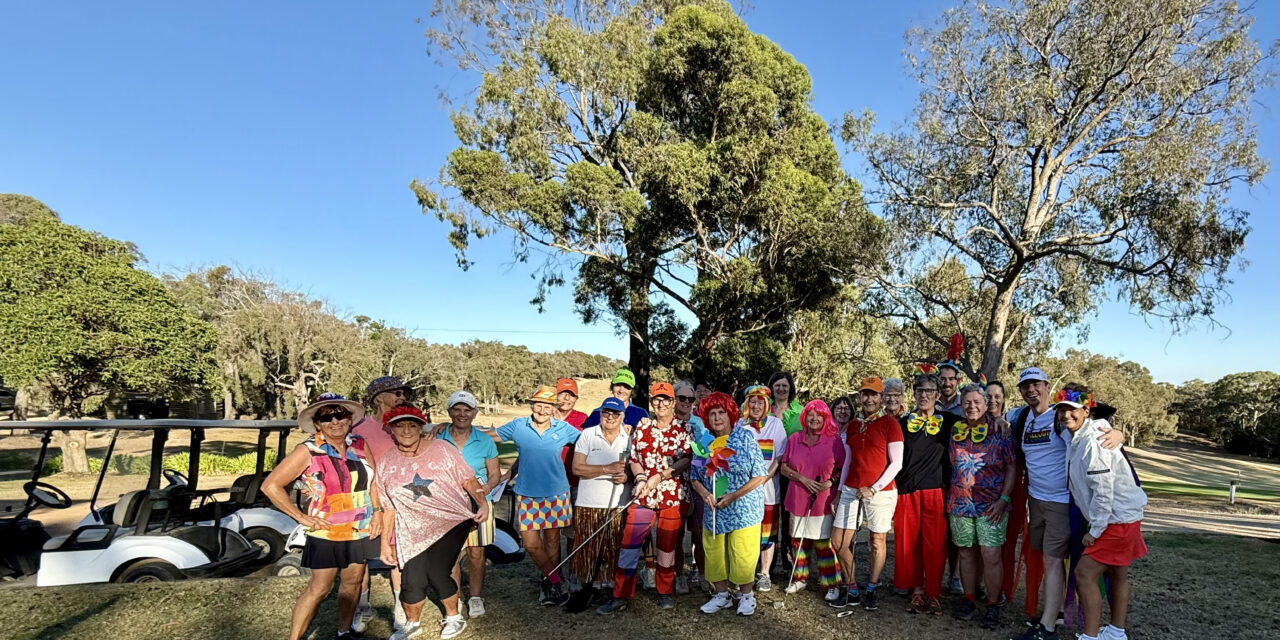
(718, 400)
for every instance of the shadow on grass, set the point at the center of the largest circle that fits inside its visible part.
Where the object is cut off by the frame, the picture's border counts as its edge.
(60, 630)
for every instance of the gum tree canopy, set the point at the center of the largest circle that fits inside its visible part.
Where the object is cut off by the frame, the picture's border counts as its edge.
(1063, 151)
(78, 319)
(659, 152)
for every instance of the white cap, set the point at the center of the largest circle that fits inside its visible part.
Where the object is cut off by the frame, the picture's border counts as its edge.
(463, 397)
(1032, 374)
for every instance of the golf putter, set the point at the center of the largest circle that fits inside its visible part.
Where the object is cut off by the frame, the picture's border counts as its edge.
(622, 458)
(796, 560)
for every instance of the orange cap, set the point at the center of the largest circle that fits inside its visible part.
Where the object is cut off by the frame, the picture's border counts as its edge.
(661, 389)
(872, 384)
(567, 384)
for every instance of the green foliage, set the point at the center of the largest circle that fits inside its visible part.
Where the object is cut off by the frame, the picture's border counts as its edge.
(835, 346)
(78, 319)
(664, 155)
(1241, 411)
(1064, 152)
(1143, 405)
(16, 208)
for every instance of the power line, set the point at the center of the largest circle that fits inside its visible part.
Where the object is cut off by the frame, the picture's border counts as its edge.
(515, 331)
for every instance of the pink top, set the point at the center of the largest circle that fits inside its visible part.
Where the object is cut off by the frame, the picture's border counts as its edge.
(426, 493)
(821, 461)
(376, 438)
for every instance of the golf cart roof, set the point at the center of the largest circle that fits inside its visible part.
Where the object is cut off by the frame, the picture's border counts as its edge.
(151, 425)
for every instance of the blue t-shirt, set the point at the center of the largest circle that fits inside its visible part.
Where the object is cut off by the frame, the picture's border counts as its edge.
(541, 470)
(745, 463)
(697, 430)
(478, 449)
(631, 417)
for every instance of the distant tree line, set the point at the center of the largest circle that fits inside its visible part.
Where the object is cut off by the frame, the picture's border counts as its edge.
(1241, 412)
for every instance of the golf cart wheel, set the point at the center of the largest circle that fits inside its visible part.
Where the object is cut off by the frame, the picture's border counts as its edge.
(289, 566)
(267, 540)
(149, 571)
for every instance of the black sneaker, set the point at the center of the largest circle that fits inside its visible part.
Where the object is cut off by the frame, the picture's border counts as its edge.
(842, 600)
(544, 592)
(558, 595)
(869, 601)
(665, 601)
(1037, 632)
(992, 619)
(965, 610)
(347, 635)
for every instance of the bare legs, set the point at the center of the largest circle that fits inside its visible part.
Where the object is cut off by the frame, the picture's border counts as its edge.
(318, 588)
(543, 548)
(879, 554)
(1087, 574)
(842, 542)
(1054, 590)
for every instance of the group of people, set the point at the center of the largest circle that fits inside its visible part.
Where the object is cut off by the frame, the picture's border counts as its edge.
(953, 477)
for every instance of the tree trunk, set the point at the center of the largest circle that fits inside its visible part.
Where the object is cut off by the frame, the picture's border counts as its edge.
(74, 446)
(638, 331)
(228, 403)
(998, 325)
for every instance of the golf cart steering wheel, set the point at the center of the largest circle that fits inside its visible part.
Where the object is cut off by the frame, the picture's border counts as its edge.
(175, 478)
(47, 495)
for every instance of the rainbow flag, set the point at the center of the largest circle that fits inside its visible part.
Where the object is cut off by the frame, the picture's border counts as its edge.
(766, 449)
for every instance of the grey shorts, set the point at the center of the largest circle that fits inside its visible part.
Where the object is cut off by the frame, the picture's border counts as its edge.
(1050, 527)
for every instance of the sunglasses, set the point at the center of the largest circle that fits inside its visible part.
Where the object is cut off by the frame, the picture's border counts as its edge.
(331, 417)
(686, 398)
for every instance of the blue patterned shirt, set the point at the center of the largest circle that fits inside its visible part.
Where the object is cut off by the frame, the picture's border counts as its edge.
(745, 463)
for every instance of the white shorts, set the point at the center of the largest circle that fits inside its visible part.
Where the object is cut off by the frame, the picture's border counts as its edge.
(811, 527)
(877, 512)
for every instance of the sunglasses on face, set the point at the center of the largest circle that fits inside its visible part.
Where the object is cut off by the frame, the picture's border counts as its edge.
(331, 417)
(685, 398)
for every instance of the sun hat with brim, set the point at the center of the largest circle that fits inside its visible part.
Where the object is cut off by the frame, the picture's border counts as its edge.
(544, 394)
(400, 414)
(306, 417)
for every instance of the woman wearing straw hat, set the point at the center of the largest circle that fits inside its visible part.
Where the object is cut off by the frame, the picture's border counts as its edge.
(542, 490)
(341, 527)
(732, 488)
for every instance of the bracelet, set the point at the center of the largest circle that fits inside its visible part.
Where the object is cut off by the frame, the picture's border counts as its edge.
(1007, 499)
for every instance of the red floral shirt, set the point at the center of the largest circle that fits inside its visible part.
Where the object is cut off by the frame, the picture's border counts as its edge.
(657, 450)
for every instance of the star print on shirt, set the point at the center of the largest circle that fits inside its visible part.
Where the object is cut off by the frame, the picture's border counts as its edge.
(419, 486)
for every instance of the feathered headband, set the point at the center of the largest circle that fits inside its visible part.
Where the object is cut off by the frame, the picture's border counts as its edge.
(1075, 398)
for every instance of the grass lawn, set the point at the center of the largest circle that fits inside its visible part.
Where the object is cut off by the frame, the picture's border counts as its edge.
(1181, 488)
(1190, 586)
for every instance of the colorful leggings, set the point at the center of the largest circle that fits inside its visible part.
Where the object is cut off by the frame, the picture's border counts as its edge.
(828, 568)
(639, 522)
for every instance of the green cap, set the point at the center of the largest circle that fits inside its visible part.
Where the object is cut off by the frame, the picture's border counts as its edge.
(624, 376)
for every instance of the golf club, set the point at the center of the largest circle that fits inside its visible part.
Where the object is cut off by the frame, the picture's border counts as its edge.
(798, 548)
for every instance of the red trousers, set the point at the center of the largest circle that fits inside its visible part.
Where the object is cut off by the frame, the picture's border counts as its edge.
(640, 521)
(920, 541)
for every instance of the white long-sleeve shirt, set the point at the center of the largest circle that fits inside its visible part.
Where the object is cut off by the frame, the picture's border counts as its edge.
(1101, 481)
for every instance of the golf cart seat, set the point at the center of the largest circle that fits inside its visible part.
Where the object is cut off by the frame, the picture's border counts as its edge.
(122, 515)
(246, 491)
(125, 513)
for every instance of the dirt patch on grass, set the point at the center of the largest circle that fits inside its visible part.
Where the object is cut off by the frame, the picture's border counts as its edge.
(1189, 587)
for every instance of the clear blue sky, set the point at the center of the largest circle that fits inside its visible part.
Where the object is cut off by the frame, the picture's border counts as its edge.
(281, 137)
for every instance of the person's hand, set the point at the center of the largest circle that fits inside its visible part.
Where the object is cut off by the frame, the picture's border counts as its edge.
(388, 555)
(725, 501)
(1088, 540)
(313, 523)
(865, 493)
(710, 499)
(614, 468)
(482, 513)
(375, 525)
(812, 485)
(824, 486)
(619, 478)
(432, 431)
(995, 512)
(1111, 439)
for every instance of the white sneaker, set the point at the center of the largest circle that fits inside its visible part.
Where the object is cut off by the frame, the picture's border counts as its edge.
(764, 583)
(407, 630)
(795, 587)
(1112, 633)
(475, 606)
(833, 594)
(747, 604)
(360, 621)
(453, 627)
(720, 601)
(682, 585)
(648, 579)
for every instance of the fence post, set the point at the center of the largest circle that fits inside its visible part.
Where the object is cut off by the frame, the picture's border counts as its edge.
(1232, 491)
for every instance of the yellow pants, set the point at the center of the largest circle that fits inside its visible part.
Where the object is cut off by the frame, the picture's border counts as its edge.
(732, 555)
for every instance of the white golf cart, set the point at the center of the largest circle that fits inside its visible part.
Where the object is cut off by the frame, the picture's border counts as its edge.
(151, 534)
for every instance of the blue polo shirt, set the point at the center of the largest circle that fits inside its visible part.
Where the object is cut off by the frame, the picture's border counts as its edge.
(478, 449)
(631, 417)
(541, 470)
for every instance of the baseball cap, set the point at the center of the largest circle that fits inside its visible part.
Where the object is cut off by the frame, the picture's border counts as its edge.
(661, 389)
(1031, 374)
(612, 404)
(403, 413)
(567, 384)
(463, 397)
(872, 384)
(624, 376)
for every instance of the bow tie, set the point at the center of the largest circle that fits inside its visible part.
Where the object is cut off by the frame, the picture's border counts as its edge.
(963, 432)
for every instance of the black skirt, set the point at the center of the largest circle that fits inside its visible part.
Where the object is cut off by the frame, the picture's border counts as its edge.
(319, 553)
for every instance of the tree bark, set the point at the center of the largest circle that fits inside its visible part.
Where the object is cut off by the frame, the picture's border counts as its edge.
(74, 446)
(638, 332)
(993, 349)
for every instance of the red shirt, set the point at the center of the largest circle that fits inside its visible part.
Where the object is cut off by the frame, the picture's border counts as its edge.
(575, 418)
(869, 449)
(655, 451)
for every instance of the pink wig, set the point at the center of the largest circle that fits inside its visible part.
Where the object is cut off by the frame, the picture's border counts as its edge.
(819, 407)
